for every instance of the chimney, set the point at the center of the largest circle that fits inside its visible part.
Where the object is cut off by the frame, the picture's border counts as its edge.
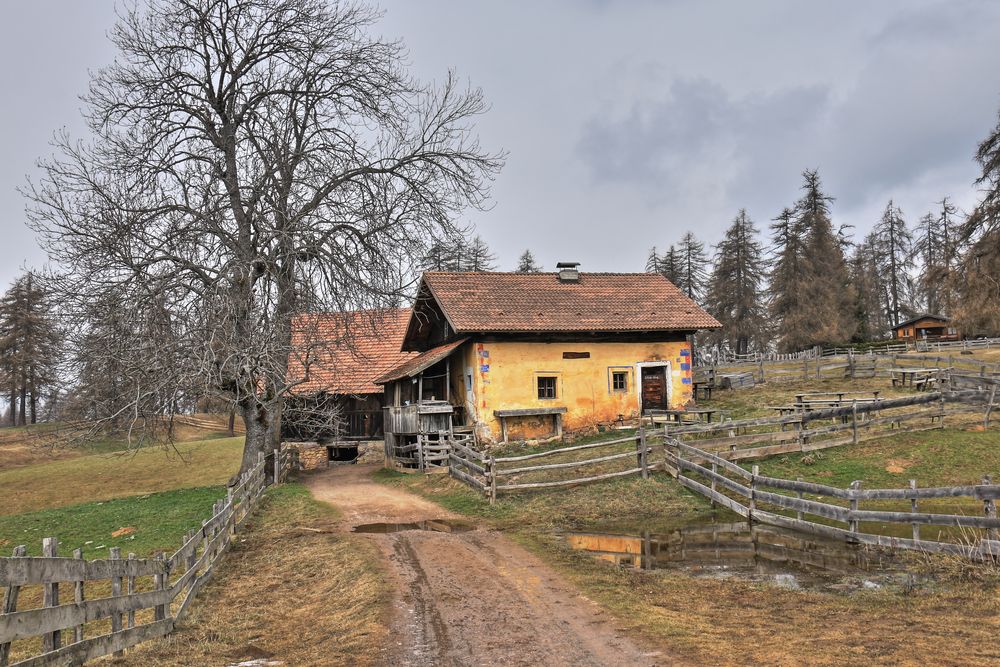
(568, 273)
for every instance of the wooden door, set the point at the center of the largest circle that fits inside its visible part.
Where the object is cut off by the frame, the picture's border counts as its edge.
(654, 388)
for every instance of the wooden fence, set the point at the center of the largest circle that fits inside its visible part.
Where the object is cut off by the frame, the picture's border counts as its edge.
(141, 598)
(491, 475)
(765, 500)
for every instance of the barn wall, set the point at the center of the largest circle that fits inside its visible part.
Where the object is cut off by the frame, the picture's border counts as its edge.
(505, 378)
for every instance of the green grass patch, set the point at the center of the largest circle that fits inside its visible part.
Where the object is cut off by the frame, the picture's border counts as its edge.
(948, 457)
(99, 477)
(158, 522)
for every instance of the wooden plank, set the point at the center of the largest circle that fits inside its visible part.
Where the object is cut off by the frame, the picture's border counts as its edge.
(469, 452)
(452, 458)
(35, 622)
(719, 498)
(716, 478)
(721, 462)
(553, 452)
(825, 510)
(569, 482)
(51, 640)
(11, 593)
(569, 464)
(468, 479)
(95, 647)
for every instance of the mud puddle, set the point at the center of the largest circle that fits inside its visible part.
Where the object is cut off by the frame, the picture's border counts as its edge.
(757, 553)
(434, 525)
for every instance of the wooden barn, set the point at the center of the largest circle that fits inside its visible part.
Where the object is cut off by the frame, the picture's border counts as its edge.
(925, 327)
(526, 355)
(336, 358)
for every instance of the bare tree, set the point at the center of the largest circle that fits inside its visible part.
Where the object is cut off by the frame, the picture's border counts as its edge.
(245, 153)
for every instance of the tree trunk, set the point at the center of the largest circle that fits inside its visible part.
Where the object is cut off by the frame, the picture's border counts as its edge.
(263, 424)
(23, 401)
(231, 430)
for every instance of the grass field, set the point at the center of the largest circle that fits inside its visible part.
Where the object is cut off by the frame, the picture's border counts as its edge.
(98, 477)
(144, 524)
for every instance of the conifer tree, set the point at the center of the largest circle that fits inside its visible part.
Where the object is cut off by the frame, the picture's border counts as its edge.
(869, 292)
(892, 246)
(977, 280)
(735, 292)
(786, 279)
(827, 303)
(691, 268)
(526, 263)
(30, 347)
(937, 248)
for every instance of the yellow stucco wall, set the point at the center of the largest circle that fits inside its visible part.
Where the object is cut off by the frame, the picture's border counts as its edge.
(504, 377)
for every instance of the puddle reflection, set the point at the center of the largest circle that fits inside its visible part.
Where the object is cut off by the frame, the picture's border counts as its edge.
(737, 549)
(434, 525)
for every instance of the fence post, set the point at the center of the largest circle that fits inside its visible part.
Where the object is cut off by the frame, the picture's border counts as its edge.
(10, 603)
(130, 582)
(640, 450)
(762, 370)
(990, 509)
(420, 452)
(277, 465)
(50, 596)
(913, 509)
(115, 554)
(493, 480)
(854, 421)
(798, 513)
(160, 584)
(853, 523)
(753, 493)
(78, 597)
(989, 406)
(715, 471)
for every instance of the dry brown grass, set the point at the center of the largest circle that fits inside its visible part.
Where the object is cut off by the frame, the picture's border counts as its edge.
(735, 622)
(293, 590)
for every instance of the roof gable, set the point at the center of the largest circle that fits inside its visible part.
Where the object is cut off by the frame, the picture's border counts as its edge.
(343, 353)
(539, 302)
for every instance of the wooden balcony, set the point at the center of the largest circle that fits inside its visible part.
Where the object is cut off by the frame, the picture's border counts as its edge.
(420, 417)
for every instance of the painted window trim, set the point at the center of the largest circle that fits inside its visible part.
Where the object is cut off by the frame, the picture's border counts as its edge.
(556, 389)
(629, 379)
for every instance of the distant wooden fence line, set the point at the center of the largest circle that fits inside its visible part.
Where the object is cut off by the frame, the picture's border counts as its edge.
(753, 501)
(164, 585)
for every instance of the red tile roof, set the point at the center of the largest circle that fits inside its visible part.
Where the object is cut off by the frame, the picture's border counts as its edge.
(599, 302)
(421, 362)
(345, 352)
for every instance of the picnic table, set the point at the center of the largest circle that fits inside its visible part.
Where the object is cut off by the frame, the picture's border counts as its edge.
(816, 396)
(703, 389)
(912, 377)
(677, 416)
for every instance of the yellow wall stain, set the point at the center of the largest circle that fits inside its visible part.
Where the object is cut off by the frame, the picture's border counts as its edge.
(505, 375)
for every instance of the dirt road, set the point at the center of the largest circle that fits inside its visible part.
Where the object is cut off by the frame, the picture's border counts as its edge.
(473, 598)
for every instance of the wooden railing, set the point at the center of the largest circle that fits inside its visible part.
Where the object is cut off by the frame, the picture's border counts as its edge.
(142, 598)
(764, 499)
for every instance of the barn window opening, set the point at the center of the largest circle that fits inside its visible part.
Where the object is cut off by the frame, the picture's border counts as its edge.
(619, 381)
(546, 387)
(576, 355)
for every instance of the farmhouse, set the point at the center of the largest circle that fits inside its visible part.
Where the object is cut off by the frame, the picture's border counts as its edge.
(526, 355)
(336, 358)
(925, 327)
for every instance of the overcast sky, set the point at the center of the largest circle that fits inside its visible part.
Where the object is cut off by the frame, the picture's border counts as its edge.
(627, 122)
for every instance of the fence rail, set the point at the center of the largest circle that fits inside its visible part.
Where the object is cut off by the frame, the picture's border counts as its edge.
(754, 501)
(129, 615)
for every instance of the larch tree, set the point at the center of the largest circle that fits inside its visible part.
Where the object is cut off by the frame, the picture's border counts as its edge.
(240, 150)
(977, 278)
(526, 263)
(785, 281)
(691, 267)
(869, 292)
(892, 245)
(827, 300)
(475, 255)
(30, 347)
(736, 289)
(937, 248)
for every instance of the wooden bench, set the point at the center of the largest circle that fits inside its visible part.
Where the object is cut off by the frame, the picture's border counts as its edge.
(556, 413)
